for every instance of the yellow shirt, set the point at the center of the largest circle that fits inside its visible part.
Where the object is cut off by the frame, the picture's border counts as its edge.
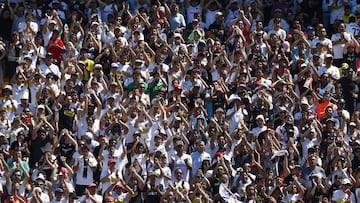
(89, 68)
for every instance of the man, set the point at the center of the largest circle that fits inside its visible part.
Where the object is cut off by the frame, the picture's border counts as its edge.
(49, 27)
(198, 157)
(333, 71)
(176, 20)
(278, 30)
(182, 161)
(218, 28)
(350, 90)
(344, 194)
(89, 64)
(59, 196)
(85, 166)
(56, 46)
(28, 28)
(352, 27)
(90, 195)
(67, 114)
(38, 192)
(312, 38)
(50, 67)
(339, 40)
(8, 103)
(324, 41)
(312, 169)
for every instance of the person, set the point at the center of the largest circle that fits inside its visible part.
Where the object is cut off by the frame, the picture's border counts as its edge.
(198, 157)
(343, 194)
(90, 194)
(56, 47)
(85, 166)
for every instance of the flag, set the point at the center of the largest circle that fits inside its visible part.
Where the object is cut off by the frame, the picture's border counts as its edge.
(227, 195)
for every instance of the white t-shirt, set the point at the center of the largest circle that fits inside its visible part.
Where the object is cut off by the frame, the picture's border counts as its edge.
(47, 37)
(97, 197)
(340, 196)
(326, 42)
(197, 159)
(34, 88)
(80, 180)
(353, 29)
(256, 131)
(112, 178)
(52, 68)
(339, 48)
(179, 162)
(6, 104)
(281, 33)
(19, 91)
(235, 118)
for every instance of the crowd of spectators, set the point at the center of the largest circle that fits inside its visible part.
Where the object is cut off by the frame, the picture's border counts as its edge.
(179, 101)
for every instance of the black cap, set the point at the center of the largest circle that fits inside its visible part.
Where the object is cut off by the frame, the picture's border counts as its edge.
(341, 101)
(84, 50)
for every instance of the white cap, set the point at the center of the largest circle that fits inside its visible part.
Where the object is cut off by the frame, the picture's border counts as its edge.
(40, 177)
(9, 87)
(162, 131)
(40, 106)
(88, 135)
(234, 97)
(25, 95)
(94, 23)
(352, 124)
(27, 56)
(219, 14)
(139, 61)
(177, 35)
(123, 29)
(346, 181)
(52, 22)
(98, 65)
(328, 56)
(114, 65)
(260, 117)
(304, 101)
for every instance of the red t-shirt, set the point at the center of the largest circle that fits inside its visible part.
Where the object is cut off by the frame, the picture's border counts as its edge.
(56, 52)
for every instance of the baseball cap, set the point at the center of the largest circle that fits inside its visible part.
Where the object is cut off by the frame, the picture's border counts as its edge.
(92, 185)
(111, 161)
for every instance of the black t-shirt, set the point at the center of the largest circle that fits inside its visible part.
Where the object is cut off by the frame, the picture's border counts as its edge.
(16, 145)
(66, 118)
(355, 163)
(66, 150)
(350, 58)
(152, 194)
(136, 197)
(35, 149)
(218, 30)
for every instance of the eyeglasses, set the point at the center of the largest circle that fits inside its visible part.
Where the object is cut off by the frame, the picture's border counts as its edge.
(179, 173)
